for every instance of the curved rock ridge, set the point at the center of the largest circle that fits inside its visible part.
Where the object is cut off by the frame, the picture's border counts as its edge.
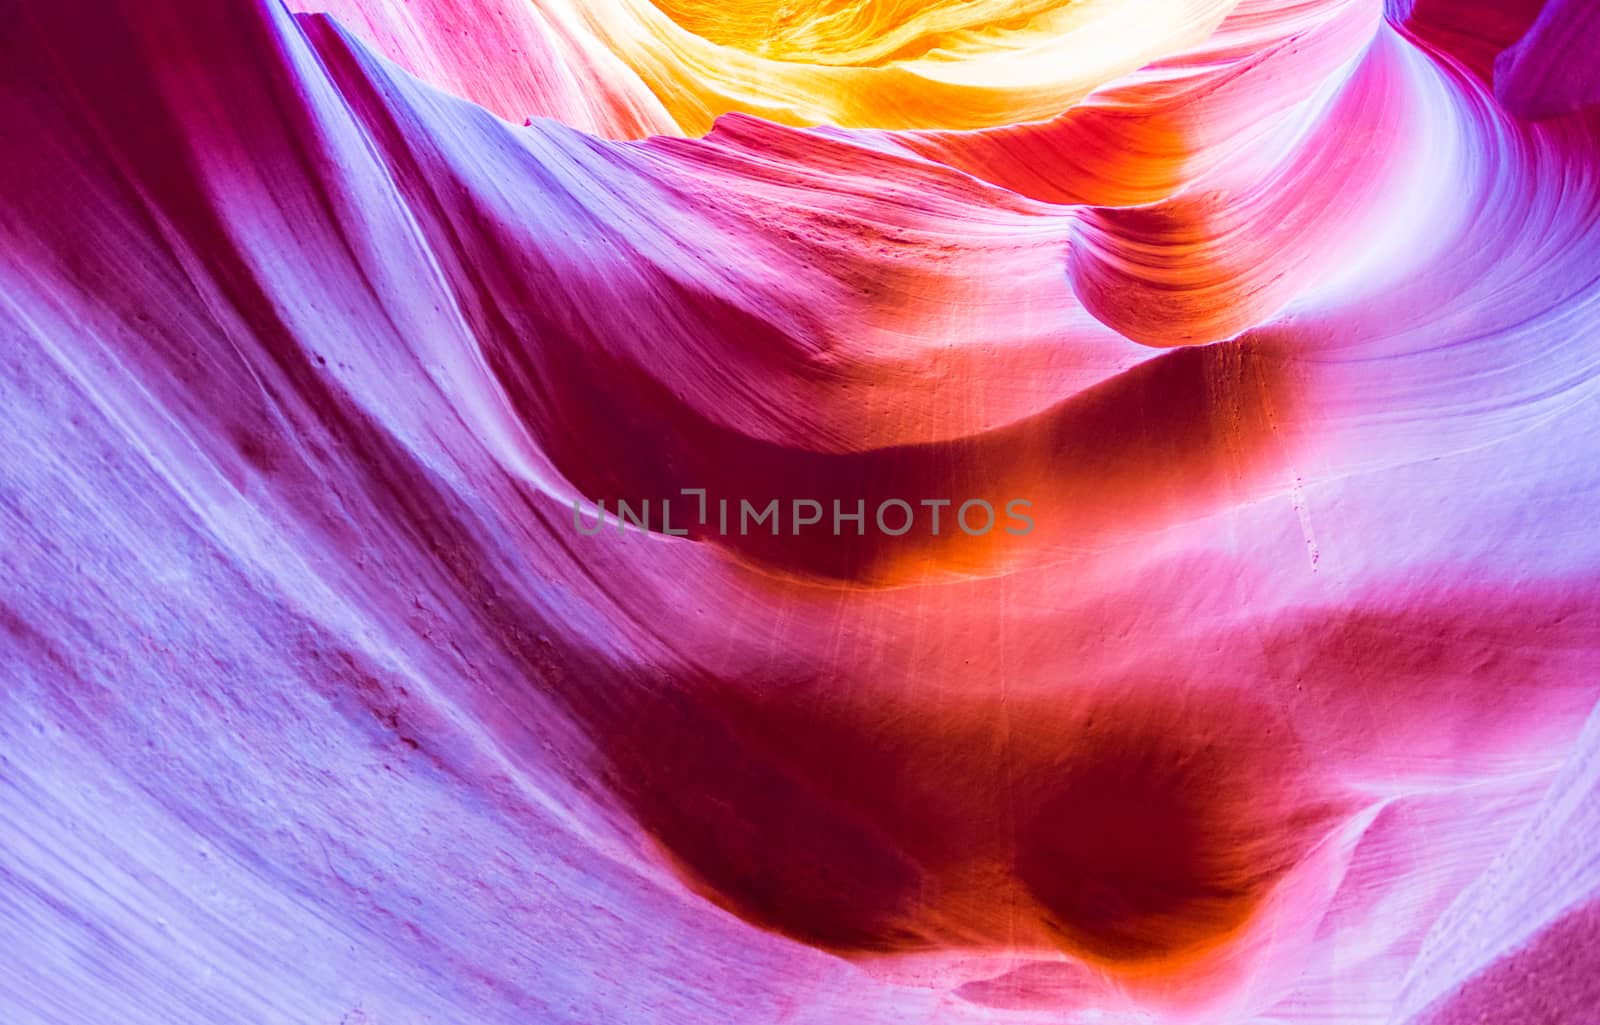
(326, 332)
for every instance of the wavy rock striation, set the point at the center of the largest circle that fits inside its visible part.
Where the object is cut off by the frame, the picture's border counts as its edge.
(319, 707)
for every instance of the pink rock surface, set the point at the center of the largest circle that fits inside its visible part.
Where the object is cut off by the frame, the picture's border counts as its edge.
(318, 709)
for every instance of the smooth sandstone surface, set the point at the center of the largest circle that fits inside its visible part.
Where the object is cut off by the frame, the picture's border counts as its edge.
(315, 321)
